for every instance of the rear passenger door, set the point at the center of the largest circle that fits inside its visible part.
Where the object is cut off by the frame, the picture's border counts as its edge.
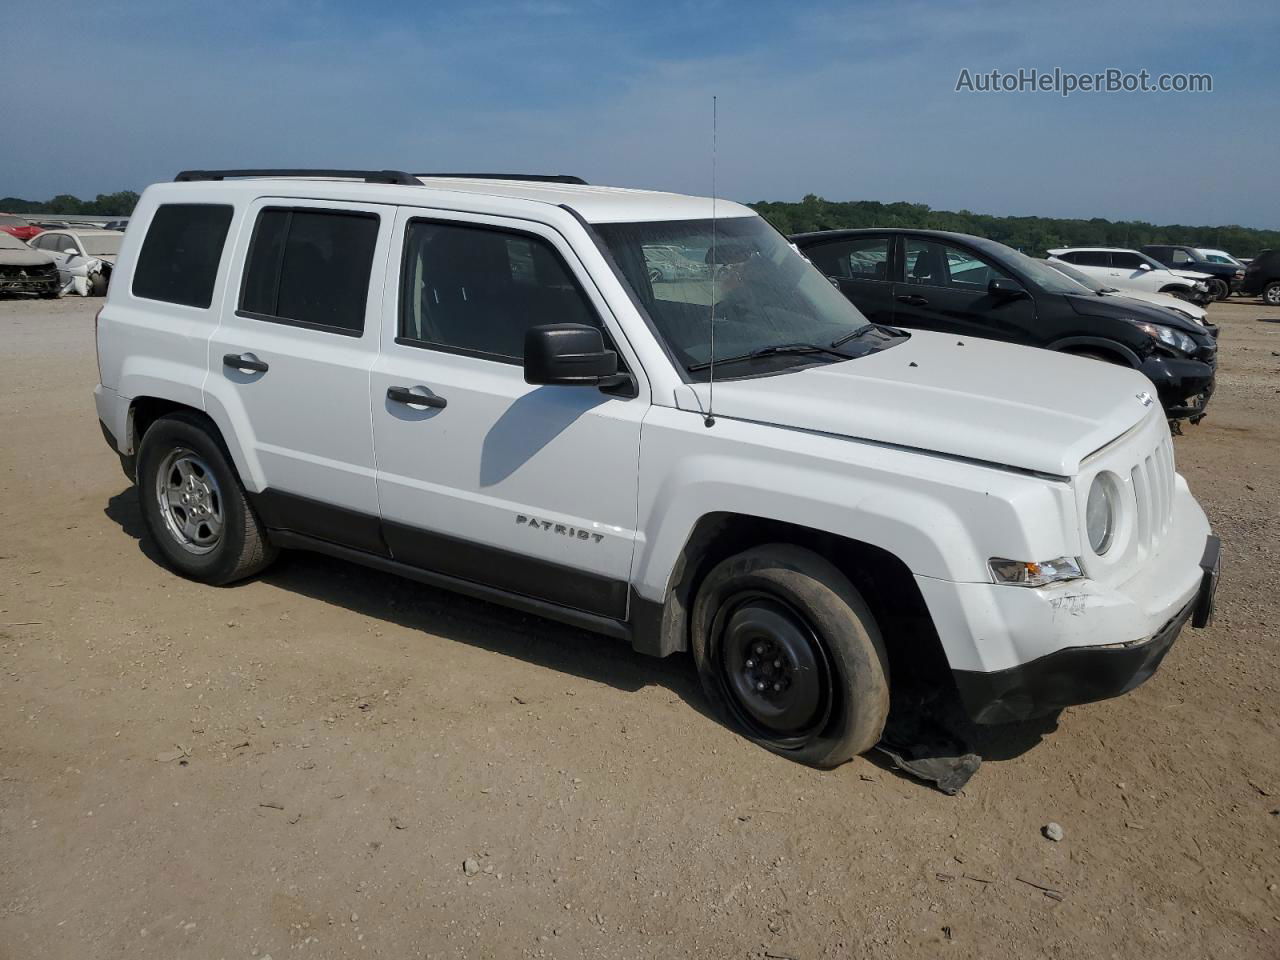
(528, 489)
(290, 362)
(863, 268)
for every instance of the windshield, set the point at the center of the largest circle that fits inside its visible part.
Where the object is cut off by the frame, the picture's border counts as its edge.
(102, 246)
(765, 293)
(1079, 277)
(1219, 256)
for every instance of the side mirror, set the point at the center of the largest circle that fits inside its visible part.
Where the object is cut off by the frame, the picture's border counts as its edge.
(71, 252)
(1144, 266)
(569, 354)
(1006, 288)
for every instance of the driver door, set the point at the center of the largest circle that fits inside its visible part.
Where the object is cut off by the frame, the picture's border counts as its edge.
(528, 489)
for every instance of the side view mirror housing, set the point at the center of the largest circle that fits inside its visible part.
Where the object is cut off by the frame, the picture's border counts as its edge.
(1005, 287)
(1144, 266)
(71, 252)
(571, 355)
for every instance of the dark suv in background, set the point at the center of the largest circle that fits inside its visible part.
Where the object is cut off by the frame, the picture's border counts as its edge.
(1226, 277)
(970, 286)
(1262, 278)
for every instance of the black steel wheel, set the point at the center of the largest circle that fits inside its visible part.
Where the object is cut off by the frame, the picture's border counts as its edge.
(789, 654)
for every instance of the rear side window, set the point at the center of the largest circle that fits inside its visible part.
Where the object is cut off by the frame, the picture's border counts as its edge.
(863, 258)
(476, 290)
(179, 258)
(311, 268)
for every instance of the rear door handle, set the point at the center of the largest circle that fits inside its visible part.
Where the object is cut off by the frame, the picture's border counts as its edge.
(244, 361)
(914, 300)
(405, 395)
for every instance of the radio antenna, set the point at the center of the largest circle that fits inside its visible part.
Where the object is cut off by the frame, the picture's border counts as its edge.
(710, 420)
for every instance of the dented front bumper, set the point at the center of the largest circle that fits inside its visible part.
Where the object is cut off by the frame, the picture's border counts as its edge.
(1083, 674)
(1018, 652)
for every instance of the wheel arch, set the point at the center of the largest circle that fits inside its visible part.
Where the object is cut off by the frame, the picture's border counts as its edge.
(882, 578)
(1098, 345)
(146, 410)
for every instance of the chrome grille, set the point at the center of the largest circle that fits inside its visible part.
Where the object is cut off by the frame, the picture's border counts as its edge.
(1153, 483)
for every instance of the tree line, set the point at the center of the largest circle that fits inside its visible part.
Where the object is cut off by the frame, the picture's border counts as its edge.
(1031, 235)
(105, 205)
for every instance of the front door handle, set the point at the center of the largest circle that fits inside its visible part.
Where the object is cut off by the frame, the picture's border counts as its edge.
(914, 300)
(244, 361)
(405, 395)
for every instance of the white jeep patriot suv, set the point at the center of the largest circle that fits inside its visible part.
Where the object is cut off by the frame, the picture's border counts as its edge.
(484, 383)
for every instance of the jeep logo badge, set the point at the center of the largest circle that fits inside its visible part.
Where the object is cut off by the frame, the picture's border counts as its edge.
(1145, 399)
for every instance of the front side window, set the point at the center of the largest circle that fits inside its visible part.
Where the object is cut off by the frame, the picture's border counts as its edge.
(1126, 261)
(863, 258)
(1181, 256)
(179, 258)
(765, 295)
(944, 265)
(476, 290)
(1091, 258)
(102, 246)
(310, 268)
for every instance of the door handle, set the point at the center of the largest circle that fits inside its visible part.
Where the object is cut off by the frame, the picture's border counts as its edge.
(244, 361)
(405, 395)
(914, 300)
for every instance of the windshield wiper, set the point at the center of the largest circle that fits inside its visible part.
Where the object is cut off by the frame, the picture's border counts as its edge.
(860, 332)
(771, 351)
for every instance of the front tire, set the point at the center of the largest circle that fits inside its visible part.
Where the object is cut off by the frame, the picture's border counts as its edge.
(98, 285)
(1219, 289)
(194, 506)
(789, 654)
(1271, 294)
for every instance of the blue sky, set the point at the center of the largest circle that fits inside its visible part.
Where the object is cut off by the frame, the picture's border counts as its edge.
(849, 101)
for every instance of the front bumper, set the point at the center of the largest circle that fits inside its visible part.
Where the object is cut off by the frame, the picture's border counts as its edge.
(1183, 385)
(1084, 674)
(43, 282)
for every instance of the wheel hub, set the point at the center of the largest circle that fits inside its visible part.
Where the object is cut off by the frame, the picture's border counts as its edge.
(190, 501)
(773, 668)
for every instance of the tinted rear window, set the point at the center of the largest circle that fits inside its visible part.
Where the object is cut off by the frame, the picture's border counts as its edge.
(179, 258)
(310, 267)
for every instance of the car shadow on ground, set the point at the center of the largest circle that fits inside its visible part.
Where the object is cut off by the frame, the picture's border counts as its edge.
(546, 643)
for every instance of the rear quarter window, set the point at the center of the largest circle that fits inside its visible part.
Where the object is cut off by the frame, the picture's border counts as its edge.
(180, 255)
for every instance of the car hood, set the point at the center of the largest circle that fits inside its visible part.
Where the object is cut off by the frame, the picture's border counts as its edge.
(1162, 300)
(1190, 274)
(24, 258)
(1121, 306)
(957, 396)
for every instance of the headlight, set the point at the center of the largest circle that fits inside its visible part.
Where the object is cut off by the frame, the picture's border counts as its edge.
(1174, 339)
(1100, 514)
(1019, 573)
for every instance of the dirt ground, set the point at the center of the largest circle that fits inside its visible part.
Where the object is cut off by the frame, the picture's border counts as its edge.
(305, 761)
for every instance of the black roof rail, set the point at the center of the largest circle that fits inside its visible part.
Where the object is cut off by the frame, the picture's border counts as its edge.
(536, 177)
(368, 176)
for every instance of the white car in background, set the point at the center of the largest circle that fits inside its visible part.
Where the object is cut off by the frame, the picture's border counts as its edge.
(85, 258)
(1184, 307)
(1133, 270)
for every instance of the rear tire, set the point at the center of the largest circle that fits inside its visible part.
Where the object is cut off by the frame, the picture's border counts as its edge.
(789, 654)
(194, 506)
(1271, 294)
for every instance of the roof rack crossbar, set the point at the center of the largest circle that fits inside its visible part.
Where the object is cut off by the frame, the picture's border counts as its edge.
(535, 177)
(368, 176)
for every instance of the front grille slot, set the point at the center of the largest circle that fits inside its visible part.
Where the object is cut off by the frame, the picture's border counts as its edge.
(1153, 486)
